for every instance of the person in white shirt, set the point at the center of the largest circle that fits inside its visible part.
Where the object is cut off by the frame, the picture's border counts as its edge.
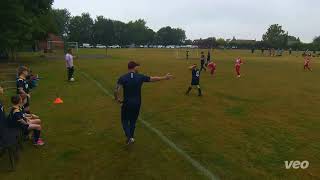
(69, 64)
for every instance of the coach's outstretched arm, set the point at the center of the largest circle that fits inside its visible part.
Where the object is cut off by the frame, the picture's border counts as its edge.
(160, 78)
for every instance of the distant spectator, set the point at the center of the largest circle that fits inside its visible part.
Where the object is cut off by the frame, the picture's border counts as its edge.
(69, 63)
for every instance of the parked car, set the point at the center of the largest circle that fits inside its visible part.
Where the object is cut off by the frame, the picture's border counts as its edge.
(100, 46)
(114, 46)
(86, 45)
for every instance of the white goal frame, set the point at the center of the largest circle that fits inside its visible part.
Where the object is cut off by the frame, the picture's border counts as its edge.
(73, 45)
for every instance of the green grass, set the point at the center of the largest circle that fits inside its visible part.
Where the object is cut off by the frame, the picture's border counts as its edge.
(240, 129)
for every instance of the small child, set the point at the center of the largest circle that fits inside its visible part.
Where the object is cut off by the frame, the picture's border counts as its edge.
(238, 66)
(16, 119)
(32, 80)
(212, 66)
(307, 59)
(195, 79)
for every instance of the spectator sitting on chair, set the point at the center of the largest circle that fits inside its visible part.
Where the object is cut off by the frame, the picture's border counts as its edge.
(16, 119)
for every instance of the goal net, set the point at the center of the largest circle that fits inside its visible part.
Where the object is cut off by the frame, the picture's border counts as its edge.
(61, 47)
(187, 53)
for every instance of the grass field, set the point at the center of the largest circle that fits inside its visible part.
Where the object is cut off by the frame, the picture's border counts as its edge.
(240, 129)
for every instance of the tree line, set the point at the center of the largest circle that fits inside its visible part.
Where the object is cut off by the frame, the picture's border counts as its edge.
(105, 31)
(275, 37)
(101, 30)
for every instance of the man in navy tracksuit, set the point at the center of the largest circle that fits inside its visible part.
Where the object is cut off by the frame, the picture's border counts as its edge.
(132, 83)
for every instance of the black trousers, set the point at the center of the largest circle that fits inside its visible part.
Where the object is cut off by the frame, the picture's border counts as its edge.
(129, 117)
(70, 72)
(203, 66)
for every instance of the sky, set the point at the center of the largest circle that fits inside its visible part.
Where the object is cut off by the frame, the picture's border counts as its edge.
(244, 19)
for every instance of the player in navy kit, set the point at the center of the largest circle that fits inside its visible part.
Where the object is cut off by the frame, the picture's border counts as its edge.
(132, 83)
(23, 88)
(203, 61)
(16, 119)
(195, 79)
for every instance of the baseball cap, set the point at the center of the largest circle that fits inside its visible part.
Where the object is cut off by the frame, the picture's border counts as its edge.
(132, 65)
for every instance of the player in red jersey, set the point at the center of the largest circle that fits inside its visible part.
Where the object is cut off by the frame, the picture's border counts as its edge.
(307, 60)
(212, 66)
(238, 66)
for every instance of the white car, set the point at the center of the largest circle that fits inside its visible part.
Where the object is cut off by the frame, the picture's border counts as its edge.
(100, 46)
(114, 47)
(86, 45)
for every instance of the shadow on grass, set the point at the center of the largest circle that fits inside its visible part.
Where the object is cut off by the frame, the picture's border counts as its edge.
(236, 98)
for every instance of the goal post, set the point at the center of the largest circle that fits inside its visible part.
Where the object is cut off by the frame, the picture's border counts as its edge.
(73, 45)
(193, 53)
(61, 47)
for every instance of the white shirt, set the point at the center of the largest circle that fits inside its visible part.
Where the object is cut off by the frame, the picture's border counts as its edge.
(69, 60)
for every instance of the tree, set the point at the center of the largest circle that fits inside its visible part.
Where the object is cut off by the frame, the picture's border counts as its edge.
(22, 22)
(170, 36)
(62, 20)
(103, 31)
(206, 43)
(275, 37)
(188, 42)
(294, 43)
(138, 30)
(221, 42)
(81, 28)
(120, 33)
(316, 43)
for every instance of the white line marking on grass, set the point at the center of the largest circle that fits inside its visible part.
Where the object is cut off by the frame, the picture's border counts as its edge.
(170, 143)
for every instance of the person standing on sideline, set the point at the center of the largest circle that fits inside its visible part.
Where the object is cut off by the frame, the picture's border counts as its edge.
(132, 83)
(202, 61)
(69, 63)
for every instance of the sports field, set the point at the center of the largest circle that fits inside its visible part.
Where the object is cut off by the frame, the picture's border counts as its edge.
(240, 129)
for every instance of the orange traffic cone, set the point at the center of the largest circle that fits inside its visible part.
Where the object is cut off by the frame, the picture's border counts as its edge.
(58, 101)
